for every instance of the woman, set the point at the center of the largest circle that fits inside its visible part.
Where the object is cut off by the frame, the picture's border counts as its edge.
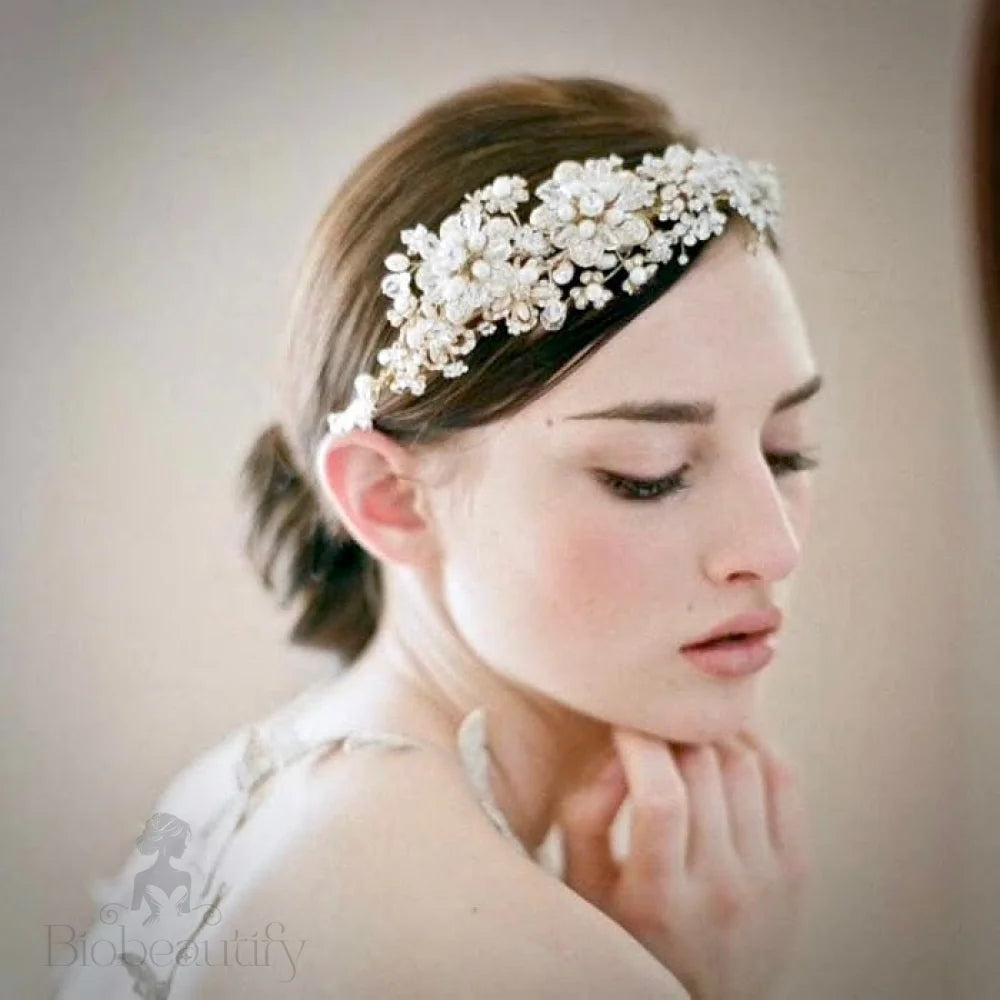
(546, 429)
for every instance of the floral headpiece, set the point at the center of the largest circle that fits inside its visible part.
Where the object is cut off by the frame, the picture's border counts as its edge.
(485, 266)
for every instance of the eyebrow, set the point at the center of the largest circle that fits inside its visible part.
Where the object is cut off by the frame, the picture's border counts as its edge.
(663, 411)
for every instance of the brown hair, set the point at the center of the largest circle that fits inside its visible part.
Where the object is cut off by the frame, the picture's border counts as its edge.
(515, 125)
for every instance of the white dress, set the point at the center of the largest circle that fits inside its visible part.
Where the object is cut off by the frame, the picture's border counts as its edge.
(149, 918)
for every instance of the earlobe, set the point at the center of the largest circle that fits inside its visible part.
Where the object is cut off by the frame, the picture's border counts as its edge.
(370, 482)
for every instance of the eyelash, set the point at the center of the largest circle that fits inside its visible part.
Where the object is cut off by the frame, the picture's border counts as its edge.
(783, 462)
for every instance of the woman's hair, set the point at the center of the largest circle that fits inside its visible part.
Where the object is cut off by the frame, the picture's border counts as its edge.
(522, 125)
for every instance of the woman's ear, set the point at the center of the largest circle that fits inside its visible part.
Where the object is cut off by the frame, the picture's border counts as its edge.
(374, 486)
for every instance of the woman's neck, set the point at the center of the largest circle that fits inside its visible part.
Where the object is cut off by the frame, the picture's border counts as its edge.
(539, 749)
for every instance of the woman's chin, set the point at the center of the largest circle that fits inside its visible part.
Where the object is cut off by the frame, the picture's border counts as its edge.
(704, 722)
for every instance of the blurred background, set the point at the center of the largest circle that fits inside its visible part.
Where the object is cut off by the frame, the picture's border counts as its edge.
(162, 167)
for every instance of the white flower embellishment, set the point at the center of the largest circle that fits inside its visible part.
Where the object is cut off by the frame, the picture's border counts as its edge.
(485, 265)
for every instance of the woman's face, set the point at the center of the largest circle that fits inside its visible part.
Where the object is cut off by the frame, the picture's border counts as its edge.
(562, 583)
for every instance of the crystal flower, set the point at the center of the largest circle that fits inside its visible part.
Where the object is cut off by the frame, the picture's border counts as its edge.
(486, 265)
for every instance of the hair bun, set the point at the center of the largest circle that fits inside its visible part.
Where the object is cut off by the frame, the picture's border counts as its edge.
(325, 571)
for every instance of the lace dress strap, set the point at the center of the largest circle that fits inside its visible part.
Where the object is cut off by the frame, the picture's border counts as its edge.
(276, 745)
(474, 750)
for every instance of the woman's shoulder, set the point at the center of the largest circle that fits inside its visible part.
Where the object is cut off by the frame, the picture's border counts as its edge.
(397, 883)
(354, 873)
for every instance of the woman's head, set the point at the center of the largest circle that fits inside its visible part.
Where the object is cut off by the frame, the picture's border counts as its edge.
(532, 554)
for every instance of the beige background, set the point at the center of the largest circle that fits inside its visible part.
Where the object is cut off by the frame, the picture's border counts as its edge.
(161, 169)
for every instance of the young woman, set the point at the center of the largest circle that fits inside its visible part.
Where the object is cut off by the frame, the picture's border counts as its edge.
(546, 432)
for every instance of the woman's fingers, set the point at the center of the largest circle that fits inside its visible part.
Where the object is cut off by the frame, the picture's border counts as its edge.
(660, 813)
(746, 797)
(786, 809)
(585, 817)
(710, 834)
(710, 883)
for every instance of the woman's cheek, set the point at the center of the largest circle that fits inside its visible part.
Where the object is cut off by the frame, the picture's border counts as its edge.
(594, 571)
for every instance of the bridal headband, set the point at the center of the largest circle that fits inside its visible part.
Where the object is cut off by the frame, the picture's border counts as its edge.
(485, 265)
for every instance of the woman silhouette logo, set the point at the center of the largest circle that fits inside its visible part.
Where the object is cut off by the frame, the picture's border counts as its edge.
(161, 885)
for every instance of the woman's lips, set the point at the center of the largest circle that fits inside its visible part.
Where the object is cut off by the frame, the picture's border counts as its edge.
(729, 658)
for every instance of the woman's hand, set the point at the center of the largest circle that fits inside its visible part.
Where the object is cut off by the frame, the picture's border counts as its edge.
(716, 866)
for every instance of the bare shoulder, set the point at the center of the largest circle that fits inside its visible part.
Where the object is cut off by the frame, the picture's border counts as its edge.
(396, 884)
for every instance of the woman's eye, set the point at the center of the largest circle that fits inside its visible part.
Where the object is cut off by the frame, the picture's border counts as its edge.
(646, 489)
(631, 488)
(792, 461)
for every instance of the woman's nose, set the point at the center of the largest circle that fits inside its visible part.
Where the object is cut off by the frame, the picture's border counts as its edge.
(753, 535)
